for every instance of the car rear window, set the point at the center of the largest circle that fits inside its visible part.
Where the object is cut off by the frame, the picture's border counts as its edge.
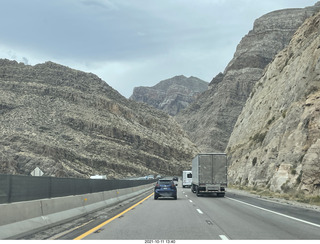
(165, 182)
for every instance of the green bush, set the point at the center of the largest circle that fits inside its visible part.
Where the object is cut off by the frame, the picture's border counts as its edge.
(284, 113)
(254, 161)
(259, 137)
(271, 120)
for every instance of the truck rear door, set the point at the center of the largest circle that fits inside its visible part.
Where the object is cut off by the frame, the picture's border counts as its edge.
(205, 169)
(219, 168)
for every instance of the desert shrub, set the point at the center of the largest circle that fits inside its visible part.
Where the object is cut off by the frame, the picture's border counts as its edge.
(284, 113)
(298, 181)
(271, 120)
(259, 137)
(254, 161)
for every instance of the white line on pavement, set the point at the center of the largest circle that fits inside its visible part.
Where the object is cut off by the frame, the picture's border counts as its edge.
(199, 211)
(223, 237)
(283, 215)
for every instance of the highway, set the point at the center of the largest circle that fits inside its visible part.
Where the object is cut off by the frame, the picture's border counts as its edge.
(235, 217)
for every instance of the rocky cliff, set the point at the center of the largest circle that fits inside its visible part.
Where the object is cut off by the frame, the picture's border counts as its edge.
(209, 120)
(72, 124)
(275, 143)
(171, 95)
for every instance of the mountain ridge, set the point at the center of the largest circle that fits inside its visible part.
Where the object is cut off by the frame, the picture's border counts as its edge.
(210, 119)
(171, 95)
(275, 143)
(73, 124)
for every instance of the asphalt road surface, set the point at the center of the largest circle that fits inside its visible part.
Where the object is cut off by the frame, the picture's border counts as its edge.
(190, 217)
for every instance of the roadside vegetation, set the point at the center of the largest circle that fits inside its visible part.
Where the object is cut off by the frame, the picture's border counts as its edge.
(291, 196)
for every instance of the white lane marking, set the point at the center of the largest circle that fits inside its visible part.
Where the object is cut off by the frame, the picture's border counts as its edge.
(190, 200)
(283, 215)
(223, 237)
(199, 211)
(186, 195)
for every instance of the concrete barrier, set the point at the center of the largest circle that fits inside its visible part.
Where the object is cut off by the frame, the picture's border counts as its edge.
(24, 218)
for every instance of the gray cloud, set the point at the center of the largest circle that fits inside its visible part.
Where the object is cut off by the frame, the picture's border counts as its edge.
(131, 42)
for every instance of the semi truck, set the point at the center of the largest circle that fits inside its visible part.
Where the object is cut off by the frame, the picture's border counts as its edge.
(186, 178)
(209, 174)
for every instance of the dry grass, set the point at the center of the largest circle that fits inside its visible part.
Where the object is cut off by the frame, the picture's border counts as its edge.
(297, 196)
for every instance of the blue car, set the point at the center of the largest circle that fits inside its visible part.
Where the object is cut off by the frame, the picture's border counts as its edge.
(165, 188)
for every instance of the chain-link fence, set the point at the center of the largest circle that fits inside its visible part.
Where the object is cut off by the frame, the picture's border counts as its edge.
(17, 188)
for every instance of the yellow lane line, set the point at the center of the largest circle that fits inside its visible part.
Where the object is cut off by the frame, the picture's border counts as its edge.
(109, 220)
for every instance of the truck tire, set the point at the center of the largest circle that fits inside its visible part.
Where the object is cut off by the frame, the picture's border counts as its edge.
(220, 195)
(197, 191)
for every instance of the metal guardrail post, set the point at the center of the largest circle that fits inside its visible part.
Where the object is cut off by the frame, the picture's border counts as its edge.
(49, 187)
(9, 190)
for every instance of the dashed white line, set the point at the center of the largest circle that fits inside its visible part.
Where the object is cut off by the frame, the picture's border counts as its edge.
(199, 211)
(186, 195)
(223, 237)
(190, 200)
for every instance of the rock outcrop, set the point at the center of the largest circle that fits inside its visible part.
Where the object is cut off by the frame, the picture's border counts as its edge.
(209, 120)
(171, 95)
(72, 124)
(275, 143)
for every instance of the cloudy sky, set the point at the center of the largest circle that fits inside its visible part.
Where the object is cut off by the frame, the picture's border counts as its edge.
(131, 43)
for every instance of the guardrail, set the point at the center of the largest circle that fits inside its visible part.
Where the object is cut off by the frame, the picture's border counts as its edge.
(16, 188)
(24, 218)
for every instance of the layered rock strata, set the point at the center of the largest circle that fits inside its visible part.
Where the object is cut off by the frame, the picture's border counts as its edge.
(72, 124)
(171, 95)
(209, 120)
(276, 140)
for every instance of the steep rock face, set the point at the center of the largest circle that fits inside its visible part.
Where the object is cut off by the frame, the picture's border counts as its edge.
(71, 123)
(210, 119)
(171, 95)
(276, 140)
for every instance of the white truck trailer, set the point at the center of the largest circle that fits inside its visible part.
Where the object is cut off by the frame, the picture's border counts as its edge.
(98, 177)
(186, 178)
(209, 174)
